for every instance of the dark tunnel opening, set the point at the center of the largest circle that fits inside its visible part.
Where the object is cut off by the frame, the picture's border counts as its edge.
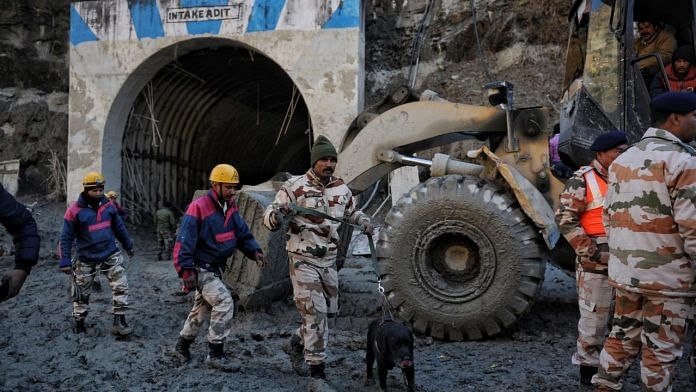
(216, 105)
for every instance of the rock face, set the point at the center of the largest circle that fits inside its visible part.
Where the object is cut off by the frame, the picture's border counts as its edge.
(33, 86)
(522, 41)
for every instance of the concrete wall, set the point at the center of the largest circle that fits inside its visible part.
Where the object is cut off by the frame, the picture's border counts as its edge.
(117, 47)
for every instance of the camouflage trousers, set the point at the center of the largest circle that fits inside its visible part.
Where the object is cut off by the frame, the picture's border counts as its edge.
(84, 274)
(315, 291)
(656, 323)
(594, 301)
(164, 243)
(212, 300)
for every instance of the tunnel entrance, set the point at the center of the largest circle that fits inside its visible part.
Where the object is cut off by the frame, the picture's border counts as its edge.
(214, 105)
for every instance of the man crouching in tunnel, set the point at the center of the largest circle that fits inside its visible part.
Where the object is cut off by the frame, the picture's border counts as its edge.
(312, 246)
(210, 232)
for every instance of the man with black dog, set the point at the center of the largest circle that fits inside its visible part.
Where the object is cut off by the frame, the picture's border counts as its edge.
(312, 245)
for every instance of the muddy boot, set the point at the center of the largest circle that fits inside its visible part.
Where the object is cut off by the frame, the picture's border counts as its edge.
(182, 350)
(317, 379)
(80, 327)
(295, 349)
(120, 327)
(218, 360)
(586, 373)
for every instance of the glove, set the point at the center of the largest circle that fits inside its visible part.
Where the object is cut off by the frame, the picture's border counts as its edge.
(65, 266)
(190, 278)
(261, 260)
(130, 253)
(11, 283)
(367, 228)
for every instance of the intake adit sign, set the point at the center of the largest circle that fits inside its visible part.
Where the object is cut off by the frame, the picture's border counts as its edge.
(200, 14)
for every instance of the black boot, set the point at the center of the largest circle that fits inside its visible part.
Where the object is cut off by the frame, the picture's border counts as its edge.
(317, 371)
(182, 349)
(295, 349)
(586, 373)
(218, 360)
(317, 379)
(80, 327)
(120, 327)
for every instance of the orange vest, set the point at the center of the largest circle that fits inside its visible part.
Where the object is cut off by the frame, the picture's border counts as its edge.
(595, 190)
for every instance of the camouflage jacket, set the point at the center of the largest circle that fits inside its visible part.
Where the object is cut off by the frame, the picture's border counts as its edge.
(592, 252)
(650, 217)
(310, 238)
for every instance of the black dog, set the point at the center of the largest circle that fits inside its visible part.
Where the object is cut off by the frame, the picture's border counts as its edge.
(391, 344)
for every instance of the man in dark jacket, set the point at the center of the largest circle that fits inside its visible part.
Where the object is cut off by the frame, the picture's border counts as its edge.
(210, 232)
(94, 224)
(681, 74)
(22, 227)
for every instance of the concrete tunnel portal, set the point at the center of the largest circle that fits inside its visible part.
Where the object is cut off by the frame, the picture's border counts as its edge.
(217, 104)
(155, 101)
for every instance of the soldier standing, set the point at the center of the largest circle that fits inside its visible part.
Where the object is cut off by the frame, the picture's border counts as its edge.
(94, 224)
(165, 222)
(312, 246)
(210, 232)
(650, 217)
(579, 218)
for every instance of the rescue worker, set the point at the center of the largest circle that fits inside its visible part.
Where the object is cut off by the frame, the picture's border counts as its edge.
(112, 195)
(579, 218)
(22, 227)
(650, 218)
(94, 224)
(210, 232)
(165, 222)
(312, 246)
(653, 39)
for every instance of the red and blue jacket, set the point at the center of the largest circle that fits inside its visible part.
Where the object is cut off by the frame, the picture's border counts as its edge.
(94, 230)
(207, 237)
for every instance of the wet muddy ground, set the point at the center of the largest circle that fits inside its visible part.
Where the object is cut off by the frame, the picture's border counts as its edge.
(39, 352)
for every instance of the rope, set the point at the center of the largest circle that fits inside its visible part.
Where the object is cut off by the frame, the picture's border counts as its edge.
(297, 210)
(482, 57)
(418, 46)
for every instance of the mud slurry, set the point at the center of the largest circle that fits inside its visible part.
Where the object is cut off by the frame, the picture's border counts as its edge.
(39, 351)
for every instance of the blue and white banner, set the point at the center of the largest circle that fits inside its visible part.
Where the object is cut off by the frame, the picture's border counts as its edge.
(125, 20)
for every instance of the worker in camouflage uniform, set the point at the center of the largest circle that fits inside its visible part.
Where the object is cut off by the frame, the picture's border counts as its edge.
(210, 232)
(312, 245)
(165, 222)
(93, 224)
(579, 218)
(650, 218)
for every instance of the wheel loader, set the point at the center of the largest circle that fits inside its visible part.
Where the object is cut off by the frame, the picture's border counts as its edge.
(462, 256)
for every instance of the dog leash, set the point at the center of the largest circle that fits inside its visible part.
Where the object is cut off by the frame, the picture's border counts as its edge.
(298, 210)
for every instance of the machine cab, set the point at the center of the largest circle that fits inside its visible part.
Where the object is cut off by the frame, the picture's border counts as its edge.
(606, 84)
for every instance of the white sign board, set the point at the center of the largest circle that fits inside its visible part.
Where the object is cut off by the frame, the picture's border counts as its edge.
(202, 14)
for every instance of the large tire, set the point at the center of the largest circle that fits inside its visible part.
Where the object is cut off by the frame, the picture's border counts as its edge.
(459, 259)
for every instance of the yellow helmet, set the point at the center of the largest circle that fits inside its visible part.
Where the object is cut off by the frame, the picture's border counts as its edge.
(225, 174)
(111, 194)
(93, 179)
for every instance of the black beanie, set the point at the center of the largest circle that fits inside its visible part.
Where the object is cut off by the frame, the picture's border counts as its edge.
(684, 52)
(322, 148)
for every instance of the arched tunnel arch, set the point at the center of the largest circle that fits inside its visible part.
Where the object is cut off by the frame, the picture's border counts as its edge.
(217, 104)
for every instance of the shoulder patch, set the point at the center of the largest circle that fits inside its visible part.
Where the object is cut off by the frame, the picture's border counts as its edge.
(581, 171)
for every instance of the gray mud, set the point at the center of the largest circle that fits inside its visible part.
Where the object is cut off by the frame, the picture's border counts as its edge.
(38, 350)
